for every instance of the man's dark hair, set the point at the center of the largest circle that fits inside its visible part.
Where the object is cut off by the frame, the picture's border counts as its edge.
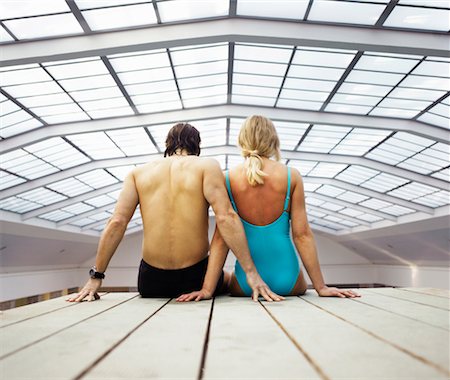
(183, 136)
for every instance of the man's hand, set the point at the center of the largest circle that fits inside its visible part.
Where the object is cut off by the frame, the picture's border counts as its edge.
(89, 290)
(259, 287)
(335, 292)
(201, 294)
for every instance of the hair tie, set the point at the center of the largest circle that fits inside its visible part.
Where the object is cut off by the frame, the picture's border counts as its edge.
(250, 153)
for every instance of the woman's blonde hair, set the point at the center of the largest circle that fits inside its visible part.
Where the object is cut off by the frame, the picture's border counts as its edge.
(258, 138)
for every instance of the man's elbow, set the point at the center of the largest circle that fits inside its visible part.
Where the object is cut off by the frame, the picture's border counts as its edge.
(118, 222)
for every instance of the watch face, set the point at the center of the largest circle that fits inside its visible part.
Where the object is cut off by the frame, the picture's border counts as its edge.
(92, 272)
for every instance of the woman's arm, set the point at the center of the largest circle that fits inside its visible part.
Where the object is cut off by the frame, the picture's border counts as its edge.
(217, 257)
(305, 243)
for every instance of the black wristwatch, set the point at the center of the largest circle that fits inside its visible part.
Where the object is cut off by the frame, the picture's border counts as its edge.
(94, 274)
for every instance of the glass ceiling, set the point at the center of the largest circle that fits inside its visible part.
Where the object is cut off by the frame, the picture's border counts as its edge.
(367, 128)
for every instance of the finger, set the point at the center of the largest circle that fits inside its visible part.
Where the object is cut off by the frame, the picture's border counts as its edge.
(255, 295)
(275, 296)
(90, 297)
(198, 298)
(266, 295)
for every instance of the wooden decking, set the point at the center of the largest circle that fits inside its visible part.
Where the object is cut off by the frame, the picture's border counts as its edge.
(386, 334)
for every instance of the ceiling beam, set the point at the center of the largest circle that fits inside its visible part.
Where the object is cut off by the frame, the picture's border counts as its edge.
(222, 111)
(226, 30)
(223, 150)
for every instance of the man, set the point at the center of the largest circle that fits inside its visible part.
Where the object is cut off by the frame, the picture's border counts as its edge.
(174, 194)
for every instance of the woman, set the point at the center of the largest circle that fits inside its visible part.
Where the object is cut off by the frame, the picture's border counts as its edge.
(267, 195)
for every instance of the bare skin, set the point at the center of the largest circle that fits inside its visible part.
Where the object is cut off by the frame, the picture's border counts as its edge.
(174, 194)
(261, 205)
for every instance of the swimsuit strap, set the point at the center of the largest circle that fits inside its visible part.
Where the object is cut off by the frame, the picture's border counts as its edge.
(288, 191)
(227, 180)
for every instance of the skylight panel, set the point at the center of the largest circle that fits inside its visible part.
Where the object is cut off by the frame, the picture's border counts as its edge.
(101, 200)
(369, 218)
(46, 100)
(323, 138)
(204, 91)
(254, 100)
(393, 112)
(441, 109)
(197, 54)
(24, 8)
(432, 68)
(309, 84)
(86, 83)
(26, 165)
(104, 103)
(351, 197)
(431, 83)
(70, 187)
(412, 191)
(56, 216)
(5, 36)
(288, 9)
(202, 81)
(255, 90)
(385, 64)
(13, 118)
(419, 18)
(76, 70)
(404, 103)
(345, 12)
(205, 101)
(42, 196)
(261, 68)
(310, 72)
(375, 204)
(442, 174)
(96, 94)
(357, 174)
(260, 53)
(384, 182)
(89, 4)
(258, 80)
(111, 112)
(121, 172)
(334, 107)
(82, 222)
(152, 88)
(191, 9)
(155, 98)
(322, 58)
(326, 170)
(372, 77)
(64, 118)
(19, 128)
(100, 216)
(132, 141)
(361, 100)
(56, 110)
(159, 107)
(302, 95)
(97, 178)
(331, 206)
(13, 77)
(200, 69)
(8, 180)
(431, 118)
(151, 75)
(437, 199)
(304, 167)
(32, 89)
(77, 208)
(364, 89)
(414, 93)
(140, 62)
(97, 145)
(18, 205)
(330, 191)
(120, 17)
(290, 133)
(359, 141)
(44, 26)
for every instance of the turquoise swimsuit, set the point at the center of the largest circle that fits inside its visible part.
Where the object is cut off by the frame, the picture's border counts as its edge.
(272, 250)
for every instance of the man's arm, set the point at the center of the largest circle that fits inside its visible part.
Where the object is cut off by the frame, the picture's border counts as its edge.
(111, 236)
(231, 229)
(305, 243)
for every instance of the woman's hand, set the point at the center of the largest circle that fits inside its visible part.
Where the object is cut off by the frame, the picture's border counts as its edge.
(89, 290)
(198, 295)
(260, 288)
(335, 292)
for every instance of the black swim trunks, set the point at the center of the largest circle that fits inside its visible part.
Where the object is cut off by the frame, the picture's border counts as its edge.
(156, 282)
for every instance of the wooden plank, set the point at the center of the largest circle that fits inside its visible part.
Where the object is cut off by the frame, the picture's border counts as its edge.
(21, 313)
(427, 344)
(245, 343)
(431, 291)
(167, 346)
(421, 298)
(427, 314)
(19, 335)
(67, 354)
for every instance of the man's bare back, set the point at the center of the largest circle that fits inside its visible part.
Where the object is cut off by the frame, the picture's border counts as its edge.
(174, 211)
